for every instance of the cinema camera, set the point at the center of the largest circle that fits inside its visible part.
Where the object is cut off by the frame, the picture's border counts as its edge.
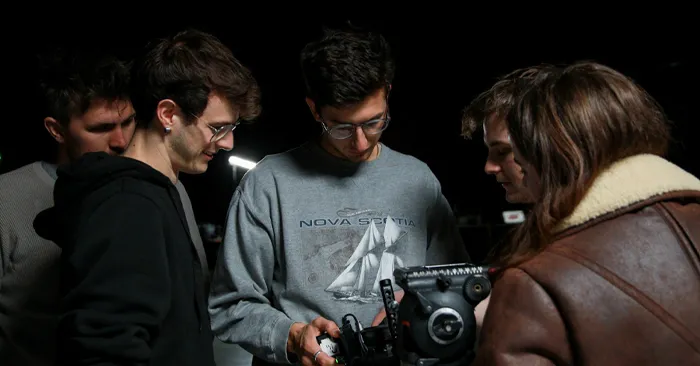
(434, 324)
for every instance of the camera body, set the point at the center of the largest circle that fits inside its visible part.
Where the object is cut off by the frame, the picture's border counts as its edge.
(434, 324)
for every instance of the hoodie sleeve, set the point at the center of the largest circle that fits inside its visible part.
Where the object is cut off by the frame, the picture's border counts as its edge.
(118, 278)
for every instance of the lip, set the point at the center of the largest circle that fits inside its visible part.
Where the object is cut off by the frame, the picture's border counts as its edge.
(208, 155)
(358, 153)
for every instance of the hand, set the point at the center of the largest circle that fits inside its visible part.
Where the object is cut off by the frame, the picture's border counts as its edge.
(302, 341)
(398, 295)
(480, 312)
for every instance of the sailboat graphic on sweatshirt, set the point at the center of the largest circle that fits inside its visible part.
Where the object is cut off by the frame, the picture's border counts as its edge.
(373, 260)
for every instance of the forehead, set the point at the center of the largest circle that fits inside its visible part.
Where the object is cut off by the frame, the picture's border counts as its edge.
(219, 110)
(495, 132)
(103, 111)
(372, 107)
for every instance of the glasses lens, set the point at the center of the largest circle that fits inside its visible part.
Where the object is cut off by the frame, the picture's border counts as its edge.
(375, 127)
(340, 132)
(221, 133)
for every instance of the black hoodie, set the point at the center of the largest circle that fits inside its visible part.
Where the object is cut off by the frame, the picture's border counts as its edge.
(132, 289)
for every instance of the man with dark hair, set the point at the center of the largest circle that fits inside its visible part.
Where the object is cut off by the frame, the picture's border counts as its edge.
(312, 231)
(487, 111)
(88, 109)
(131, 283)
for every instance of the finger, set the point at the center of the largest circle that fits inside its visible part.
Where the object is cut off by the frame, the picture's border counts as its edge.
(321, 359)
(325, 360)
(480, 311)
(308, 361)
(325, 325)
(379, 318)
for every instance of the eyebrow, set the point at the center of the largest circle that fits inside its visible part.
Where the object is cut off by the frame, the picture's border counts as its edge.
(101, 123)
(376, 116)
(220, 123)
(131, 116)
(497, 143)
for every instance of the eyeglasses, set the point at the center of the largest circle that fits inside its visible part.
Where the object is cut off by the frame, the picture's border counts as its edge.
(343, 131)
(347, 130)
(221, 132)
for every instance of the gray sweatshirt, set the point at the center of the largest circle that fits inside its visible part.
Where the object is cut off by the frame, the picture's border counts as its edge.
(311, 235)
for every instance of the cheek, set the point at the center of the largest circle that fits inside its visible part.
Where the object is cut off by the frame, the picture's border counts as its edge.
(339, 144)
(532, 181)
(513, 170)
(129, 131)
(373, 138)
(85, 142)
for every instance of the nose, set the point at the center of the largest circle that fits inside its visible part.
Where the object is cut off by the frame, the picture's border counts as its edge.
(226, 143)
(117, 140)
(491, 167)
(360, 140)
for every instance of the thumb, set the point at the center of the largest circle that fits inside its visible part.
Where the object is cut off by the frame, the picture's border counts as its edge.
(328, 326)
(379, 318)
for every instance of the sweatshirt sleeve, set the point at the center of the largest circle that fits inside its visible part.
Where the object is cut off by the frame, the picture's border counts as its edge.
(445, 245)
(117, 278)
(239, 303)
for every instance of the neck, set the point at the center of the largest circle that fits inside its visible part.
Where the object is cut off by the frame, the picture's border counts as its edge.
(148, 146)
(333, 151)
(62, 156)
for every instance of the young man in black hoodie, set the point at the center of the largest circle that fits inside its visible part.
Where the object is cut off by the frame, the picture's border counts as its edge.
(131, 283)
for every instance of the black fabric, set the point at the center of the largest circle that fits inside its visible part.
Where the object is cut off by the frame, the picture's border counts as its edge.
(132, 288)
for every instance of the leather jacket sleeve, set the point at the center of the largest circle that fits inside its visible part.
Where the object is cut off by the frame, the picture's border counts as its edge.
(522, 325)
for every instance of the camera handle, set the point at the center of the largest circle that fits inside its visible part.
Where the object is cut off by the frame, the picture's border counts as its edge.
(391, 307)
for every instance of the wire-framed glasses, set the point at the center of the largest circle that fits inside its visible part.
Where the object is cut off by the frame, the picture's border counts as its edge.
(221, 132)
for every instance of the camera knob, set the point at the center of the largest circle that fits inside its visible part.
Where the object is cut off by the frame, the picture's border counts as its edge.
(444, 282)
(394, 305)
(445, 326)
(477, 288)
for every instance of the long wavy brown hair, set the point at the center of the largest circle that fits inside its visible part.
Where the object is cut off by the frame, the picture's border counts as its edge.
(570, 127)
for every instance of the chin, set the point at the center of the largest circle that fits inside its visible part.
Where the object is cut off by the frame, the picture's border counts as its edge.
(360, 158)
(196, 169)
(515, 198)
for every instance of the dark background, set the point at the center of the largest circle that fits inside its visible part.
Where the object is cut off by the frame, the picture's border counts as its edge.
(441, 66)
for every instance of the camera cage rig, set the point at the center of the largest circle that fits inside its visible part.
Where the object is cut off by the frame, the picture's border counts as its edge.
(434, 324)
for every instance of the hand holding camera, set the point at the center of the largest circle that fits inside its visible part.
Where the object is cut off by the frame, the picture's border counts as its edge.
(434, 324)
(302, 341)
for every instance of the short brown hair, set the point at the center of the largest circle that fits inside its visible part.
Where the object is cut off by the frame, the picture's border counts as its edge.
(187, 68)
(570, 127)
(495, 102)
(72, 79)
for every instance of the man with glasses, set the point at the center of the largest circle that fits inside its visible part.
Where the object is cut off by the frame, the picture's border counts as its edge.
(131, 284)
(312, 231)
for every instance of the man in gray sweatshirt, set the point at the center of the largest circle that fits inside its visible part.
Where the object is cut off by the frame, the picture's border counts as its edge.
(313, 230)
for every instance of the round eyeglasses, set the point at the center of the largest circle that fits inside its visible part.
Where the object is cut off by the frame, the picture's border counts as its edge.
(221, 132)
(347, 130)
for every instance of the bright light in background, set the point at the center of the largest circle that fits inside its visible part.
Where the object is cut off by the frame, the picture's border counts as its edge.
(236, 161)
(513, 217)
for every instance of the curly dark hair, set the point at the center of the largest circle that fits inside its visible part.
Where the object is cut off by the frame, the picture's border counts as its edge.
(345, 66)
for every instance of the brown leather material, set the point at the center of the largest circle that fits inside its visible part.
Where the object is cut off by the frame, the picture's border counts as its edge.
(622, 288)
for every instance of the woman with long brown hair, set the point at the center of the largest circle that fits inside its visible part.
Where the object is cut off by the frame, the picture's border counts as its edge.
(606, 269)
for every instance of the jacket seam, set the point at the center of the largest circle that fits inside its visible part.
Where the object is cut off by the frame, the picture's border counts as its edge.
(681, 234)
(635, 294)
